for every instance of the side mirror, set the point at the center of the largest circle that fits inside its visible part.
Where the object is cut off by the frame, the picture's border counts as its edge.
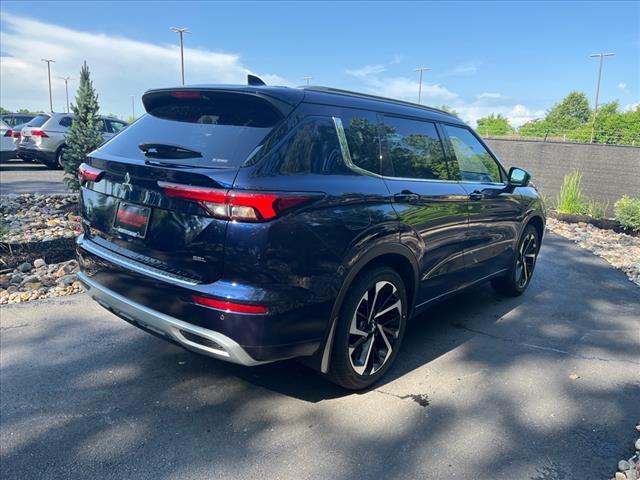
(519, 177)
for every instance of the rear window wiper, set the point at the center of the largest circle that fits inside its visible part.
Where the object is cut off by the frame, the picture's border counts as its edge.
(163, 150)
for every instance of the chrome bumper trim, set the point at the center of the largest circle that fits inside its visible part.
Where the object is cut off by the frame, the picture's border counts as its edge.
(166, 325)
(121, 261)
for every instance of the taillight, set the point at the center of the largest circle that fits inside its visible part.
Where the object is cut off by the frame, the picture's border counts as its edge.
(236, 204)
(227, 306)
(186, 94)
(38, 133)
(87, 173)
(8, 133)
(16, 134)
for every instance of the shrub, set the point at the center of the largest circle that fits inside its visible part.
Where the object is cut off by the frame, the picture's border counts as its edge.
(597, 209)
(627, 212)
(571, 199)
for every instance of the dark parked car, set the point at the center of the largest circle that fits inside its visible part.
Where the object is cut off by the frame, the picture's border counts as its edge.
(255, 223)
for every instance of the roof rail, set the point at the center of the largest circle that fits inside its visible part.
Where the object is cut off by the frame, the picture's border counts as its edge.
(350, 93)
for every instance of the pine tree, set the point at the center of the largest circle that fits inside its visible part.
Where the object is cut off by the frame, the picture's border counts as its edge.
(84, 135)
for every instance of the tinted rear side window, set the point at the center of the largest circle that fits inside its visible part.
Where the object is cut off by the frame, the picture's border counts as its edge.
(223, 127)
(414, 149)
(311, 148)
(38, 121)
(361, 130)
(65, 122)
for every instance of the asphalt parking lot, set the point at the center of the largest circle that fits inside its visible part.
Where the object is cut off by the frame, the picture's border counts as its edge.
(542, 387)
(17, 176)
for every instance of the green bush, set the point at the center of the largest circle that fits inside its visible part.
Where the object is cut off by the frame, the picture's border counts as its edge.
(627, 212)
(571, 199)
(597, 209)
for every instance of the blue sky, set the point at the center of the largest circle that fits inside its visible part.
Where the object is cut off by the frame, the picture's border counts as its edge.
(511, 58)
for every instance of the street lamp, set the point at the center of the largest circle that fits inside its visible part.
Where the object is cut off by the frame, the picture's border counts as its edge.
(66, 89)
(307, 79)
(181, 31)
(595, 110)
(49, 61)
(421, 69)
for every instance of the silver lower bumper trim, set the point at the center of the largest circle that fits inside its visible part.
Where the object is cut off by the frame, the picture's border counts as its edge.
(218, 345)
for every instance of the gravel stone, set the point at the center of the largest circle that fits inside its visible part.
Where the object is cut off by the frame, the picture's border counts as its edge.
(620, 250)
(41, 283)
(25, 267)
(623, 465)
(34, 217)
(39, 263)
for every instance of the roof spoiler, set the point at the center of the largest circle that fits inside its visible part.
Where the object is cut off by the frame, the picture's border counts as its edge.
(254, 81)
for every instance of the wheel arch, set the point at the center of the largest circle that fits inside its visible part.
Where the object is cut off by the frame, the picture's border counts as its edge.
(396, 256)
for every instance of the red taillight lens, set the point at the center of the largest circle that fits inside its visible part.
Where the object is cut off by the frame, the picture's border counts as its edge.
(39, 133)
(8, 133)
(87, 173)
(235, 204)
(229, 306)
(186, 94)
(16, 134)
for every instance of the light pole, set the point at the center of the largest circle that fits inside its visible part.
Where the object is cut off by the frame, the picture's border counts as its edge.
(49, 61)
(421, 69)
(181, 31)
(133, 109)
(307, 79)
(66, 89)
(595, 110)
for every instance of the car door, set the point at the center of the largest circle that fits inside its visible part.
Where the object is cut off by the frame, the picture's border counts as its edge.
(428, 200)
(494, 208)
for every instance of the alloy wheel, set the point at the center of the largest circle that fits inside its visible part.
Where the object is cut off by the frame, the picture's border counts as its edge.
(526, 261)
(375, 328)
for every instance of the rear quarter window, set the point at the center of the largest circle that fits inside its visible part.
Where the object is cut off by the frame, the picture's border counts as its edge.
(38, 121)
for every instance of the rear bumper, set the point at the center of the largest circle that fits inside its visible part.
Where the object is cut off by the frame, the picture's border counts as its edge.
(160, 302)
(8, 155)
(192, 337)
(36, 154)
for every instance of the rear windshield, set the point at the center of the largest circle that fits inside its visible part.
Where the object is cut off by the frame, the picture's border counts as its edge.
(214, 129)
(38, 121)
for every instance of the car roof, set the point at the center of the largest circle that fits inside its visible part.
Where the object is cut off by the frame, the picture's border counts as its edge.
(328, 96)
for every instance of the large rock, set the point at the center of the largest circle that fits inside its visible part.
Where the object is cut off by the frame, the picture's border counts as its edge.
(39, 263)
(25, 267)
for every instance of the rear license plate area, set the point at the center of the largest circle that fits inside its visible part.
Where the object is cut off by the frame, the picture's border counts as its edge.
(132, 220)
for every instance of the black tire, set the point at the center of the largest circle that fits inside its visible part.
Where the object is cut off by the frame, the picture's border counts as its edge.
(59, 158)
(375, 334)
(524, 262)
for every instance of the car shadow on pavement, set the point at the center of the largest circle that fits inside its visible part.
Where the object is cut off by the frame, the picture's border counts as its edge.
(113, 402)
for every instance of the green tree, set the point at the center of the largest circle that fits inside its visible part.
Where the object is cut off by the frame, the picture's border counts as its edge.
(4, 110)
(84, 134)
(494, 125)
(448, 109)
(573, 111)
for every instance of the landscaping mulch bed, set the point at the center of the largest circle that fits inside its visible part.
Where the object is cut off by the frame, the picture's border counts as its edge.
(622, 251)
(37, 248)
(602, 223)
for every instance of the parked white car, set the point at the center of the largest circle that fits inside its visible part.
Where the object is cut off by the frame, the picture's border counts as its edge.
(43, 138)
(8, 148)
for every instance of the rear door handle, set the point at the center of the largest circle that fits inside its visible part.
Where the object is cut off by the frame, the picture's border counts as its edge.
(406, 196)
(476, 195)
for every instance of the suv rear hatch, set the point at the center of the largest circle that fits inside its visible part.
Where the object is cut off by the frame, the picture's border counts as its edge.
(32, 133)
(145, 192)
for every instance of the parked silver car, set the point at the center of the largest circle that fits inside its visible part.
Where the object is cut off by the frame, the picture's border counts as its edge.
(8, 149)
(43, 138)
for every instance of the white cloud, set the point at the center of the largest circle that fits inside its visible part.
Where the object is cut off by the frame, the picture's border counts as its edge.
(403, 88)
(517, 114)
(622, 86)
(486, 95)
(367, 71)
(470, 68)
(120, 67)
(631, 107)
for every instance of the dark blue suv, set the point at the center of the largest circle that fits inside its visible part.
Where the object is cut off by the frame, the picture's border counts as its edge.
(255, 223)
